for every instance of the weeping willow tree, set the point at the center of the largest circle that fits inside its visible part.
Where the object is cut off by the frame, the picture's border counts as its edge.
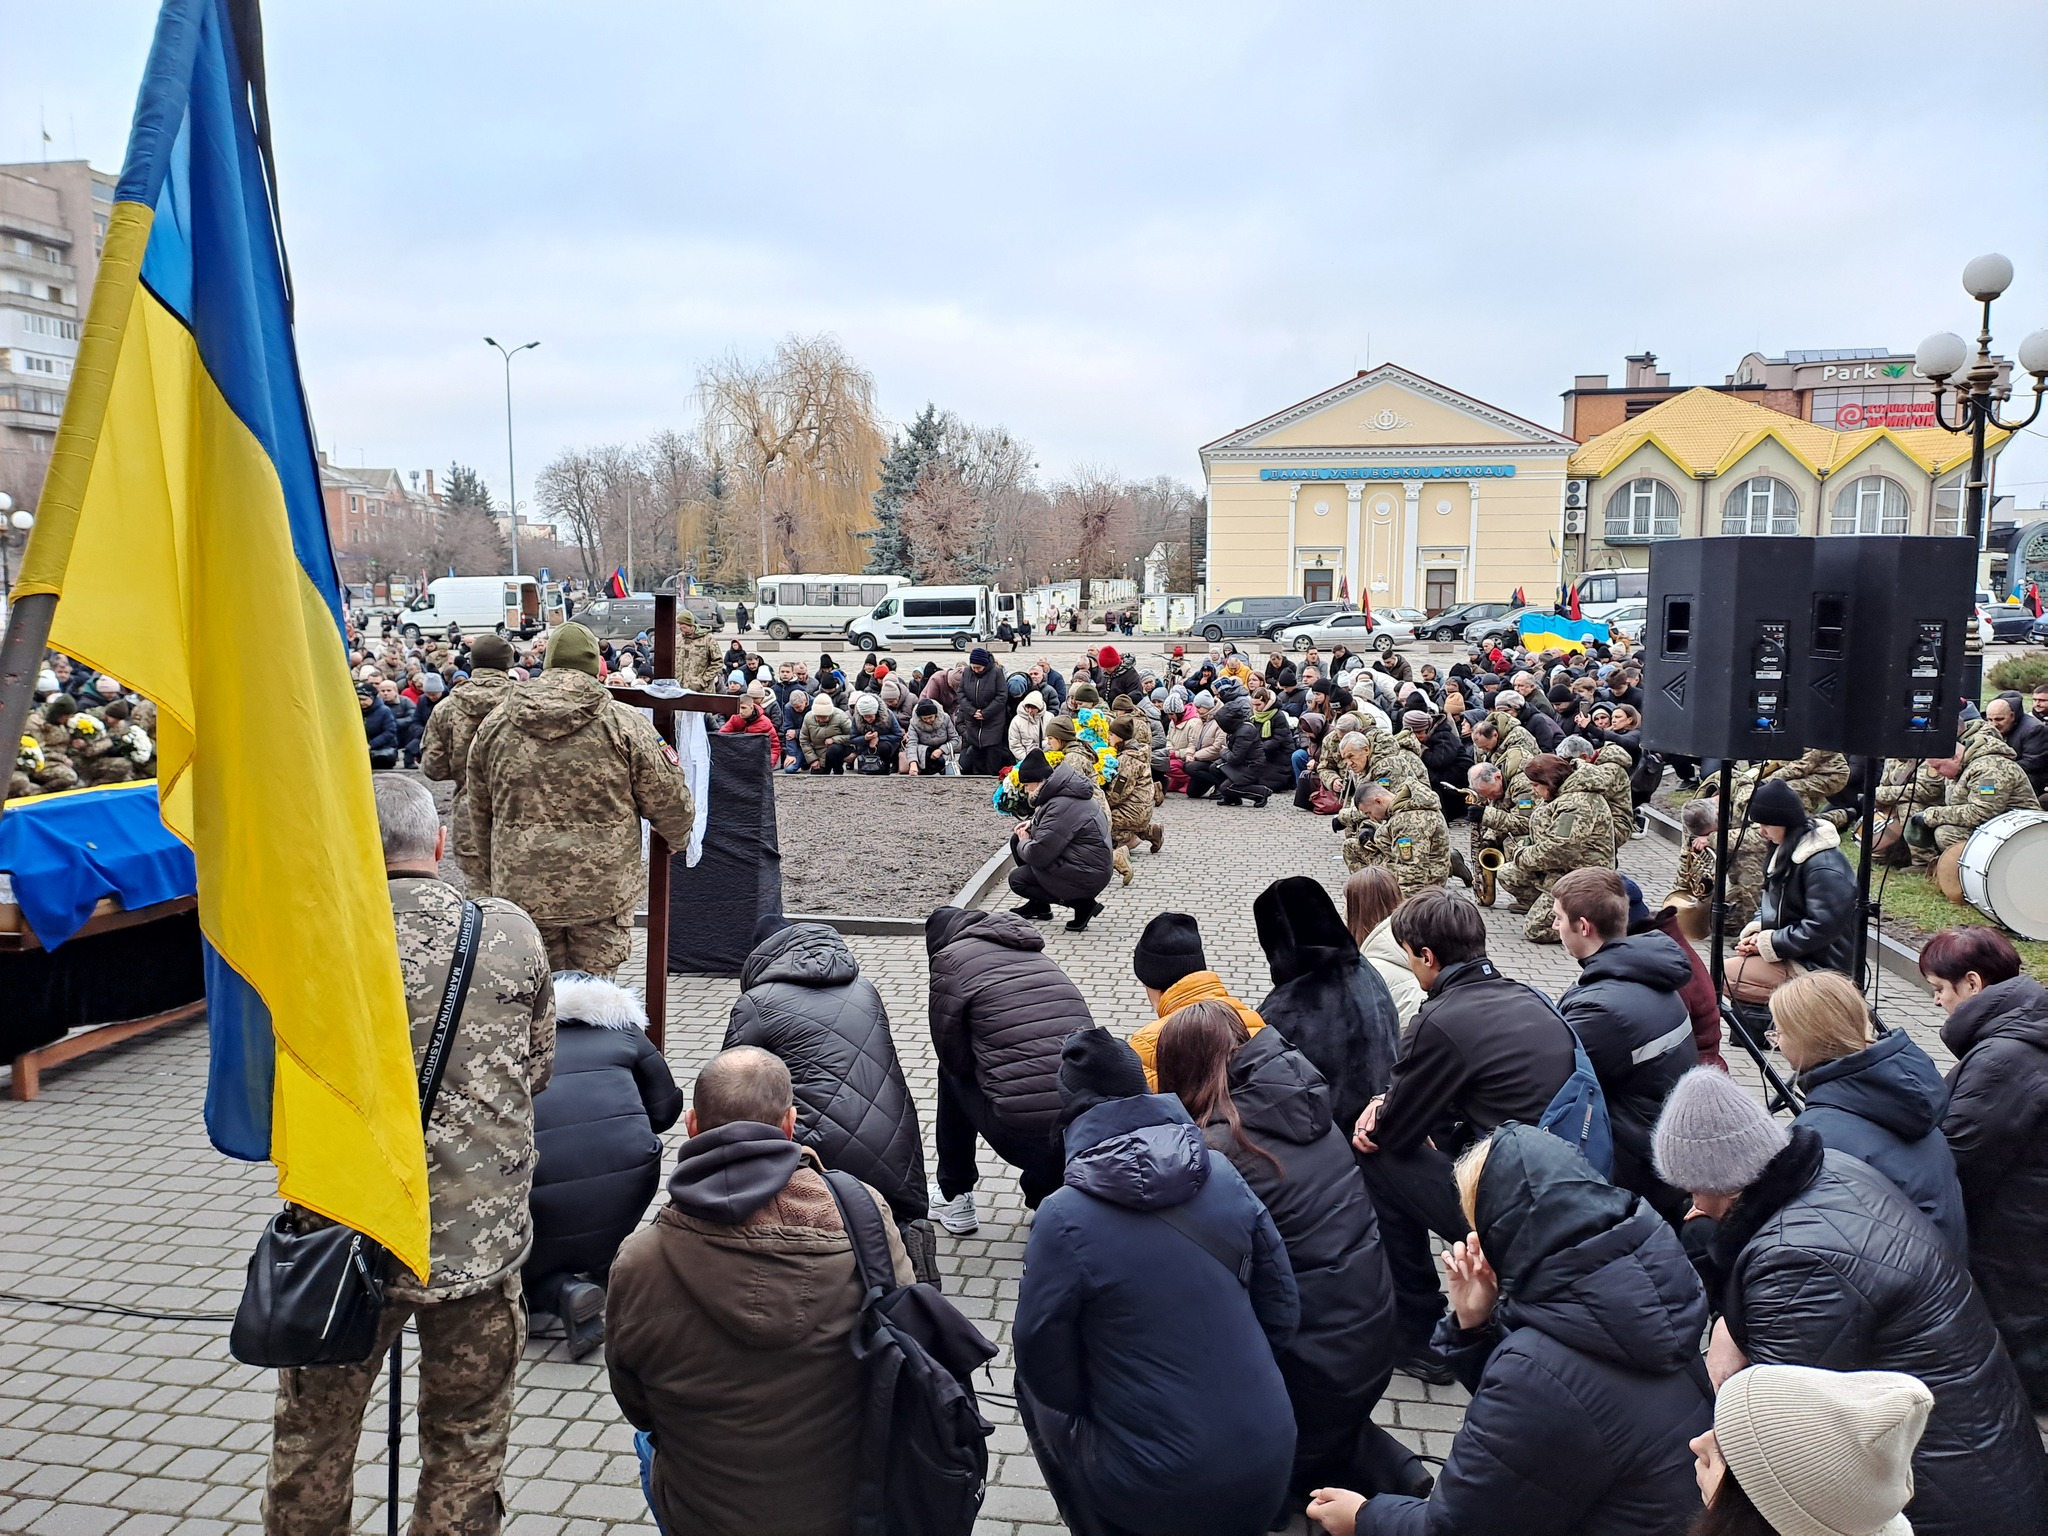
(797, 436)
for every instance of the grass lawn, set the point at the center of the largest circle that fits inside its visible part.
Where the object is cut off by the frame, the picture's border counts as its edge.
(1910, 896)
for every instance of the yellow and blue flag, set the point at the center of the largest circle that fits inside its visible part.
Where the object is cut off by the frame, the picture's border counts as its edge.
(1553, 632)
(181, 531)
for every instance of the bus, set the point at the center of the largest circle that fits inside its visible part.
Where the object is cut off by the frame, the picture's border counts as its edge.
(1603, 592)
(803, 605)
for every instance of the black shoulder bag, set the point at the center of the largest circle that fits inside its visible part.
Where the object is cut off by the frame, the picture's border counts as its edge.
(314, 1298)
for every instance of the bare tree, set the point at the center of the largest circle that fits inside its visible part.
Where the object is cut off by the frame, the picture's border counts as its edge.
(945, 523)
(798, 435)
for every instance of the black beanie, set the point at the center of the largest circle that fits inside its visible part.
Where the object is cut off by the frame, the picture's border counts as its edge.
(1777, 804)
(1169, 949)
(1096, 1067)
(1034, 769)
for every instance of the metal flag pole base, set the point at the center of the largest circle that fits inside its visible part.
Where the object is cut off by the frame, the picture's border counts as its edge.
(396, 1409)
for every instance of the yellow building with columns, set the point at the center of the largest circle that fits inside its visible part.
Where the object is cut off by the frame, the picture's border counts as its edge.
(1390, 484)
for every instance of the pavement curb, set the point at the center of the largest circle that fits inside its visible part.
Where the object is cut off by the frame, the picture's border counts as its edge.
(978, 885)
(1900, 960)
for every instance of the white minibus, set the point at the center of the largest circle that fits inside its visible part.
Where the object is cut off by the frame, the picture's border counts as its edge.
(801, 605)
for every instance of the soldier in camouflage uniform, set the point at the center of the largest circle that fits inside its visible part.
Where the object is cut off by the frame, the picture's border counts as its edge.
(1402, 830)
(1905, 786)
(444, 748)
(1569, 828)
(1608, 770)
(51, 727)
(95, 754)
(1504, 808)
(699, 667)
(1747, 857)
(559, 779)
(1985, 779)
(1503, 741)
(480, 1154)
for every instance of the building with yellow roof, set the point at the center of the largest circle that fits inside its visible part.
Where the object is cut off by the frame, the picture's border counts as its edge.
(1708, 462)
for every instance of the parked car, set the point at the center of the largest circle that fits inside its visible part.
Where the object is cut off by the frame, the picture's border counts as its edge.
(617, 619)
(1241, 616)
(2007, 621)
(1350, 629)
(2038, 632)
(1630, 620)
(1507, 627)
(1450, 624)
(1307, 613)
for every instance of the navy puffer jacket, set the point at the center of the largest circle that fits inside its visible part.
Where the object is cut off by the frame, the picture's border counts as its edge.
(1883, 1105)
(596, 1128)
(1829, 1265)
(1587, 1382)
(804, 999)
(1148, 1366)
(1627, 1009)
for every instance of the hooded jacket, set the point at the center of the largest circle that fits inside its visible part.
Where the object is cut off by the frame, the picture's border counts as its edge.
(1636, 1030)
(597, 1128)
(560, 776)
(1997, 1127)
(1068, 849)
(445, 743)
(1195, 987)
(1148, 1365)
(1883, 1105)
(989, 692)
(1000, 1010)
(1384, 953)
(1328, 1001)
(1587, 1382)
(803, 999)
(1828, 1265)
(1309, 1184)
(1027, 730)
(1809, 904)
(728, 1329)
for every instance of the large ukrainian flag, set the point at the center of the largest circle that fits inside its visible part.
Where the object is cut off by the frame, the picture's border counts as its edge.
(1552, 632)
(181, 530)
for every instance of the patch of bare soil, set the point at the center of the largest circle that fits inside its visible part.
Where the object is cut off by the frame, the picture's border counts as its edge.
(887, 846)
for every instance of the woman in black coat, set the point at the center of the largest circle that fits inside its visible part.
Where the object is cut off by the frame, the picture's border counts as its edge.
(1327, 1000)
(1808, 912)
(1575, 1323)
(596, 1131)
(1243, 762)
(1263, 1106)
(804, 999)
(1997, 1127)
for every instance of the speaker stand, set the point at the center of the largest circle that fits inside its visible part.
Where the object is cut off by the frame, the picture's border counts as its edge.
(1866, 909)
(1779, 1094)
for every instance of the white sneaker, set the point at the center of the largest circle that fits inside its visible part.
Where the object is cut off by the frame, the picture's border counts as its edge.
(955, 1215)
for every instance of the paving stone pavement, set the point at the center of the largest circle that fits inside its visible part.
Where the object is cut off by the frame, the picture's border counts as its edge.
(115, 1424)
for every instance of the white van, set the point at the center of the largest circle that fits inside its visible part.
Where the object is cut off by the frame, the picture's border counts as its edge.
(478, 603)
(913, 616)
(1601, 593)
(821, 605)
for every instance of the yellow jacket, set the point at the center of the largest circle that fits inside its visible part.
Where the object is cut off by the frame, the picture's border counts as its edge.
(1196, 987)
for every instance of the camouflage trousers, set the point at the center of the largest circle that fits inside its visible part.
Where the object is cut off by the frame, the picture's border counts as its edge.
(468, 1359)
(598, 948)
(1535, 890)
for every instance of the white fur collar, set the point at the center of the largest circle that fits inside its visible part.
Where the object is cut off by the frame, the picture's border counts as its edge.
(583, 999)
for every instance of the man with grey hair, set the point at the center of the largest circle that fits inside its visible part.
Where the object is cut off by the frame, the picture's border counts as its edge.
(470, 1311)
(1609, 769)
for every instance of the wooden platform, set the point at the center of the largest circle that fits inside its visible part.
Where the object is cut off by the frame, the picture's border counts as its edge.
(83, 1041)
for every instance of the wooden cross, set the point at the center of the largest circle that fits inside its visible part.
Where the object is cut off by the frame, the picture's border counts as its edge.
(664, 704)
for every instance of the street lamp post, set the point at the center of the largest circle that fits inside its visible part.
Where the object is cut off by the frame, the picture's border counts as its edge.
(1943, 356)
(511, 480)
(11, 523)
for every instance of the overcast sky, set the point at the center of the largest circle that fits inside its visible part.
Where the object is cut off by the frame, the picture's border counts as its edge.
(1119, 230)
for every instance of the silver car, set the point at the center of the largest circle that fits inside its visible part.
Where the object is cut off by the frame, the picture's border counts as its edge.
(1349, 629)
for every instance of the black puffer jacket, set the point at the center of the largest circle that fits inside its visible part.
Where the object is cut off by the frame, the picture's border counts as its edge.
(1828, 1265)
(1809, 907)
(1587, 1383)
(1997, 1127)
(1447, 758)
(1634, 1025)
(1068, 849)
(1124, 680)
(1244, 750)
(596, 1127)
(1327, 1000)
(804, 999)
(1883, 1105)
(990, 693)
(1000, 1011)
(1345, 1345)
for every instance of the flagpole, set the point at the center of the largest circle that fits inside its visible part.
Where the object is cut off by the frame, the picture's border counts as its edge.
(21, 660)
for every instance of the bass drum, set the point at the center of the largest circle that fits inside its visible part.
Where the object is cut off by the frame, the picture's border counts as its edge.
(2004, 871)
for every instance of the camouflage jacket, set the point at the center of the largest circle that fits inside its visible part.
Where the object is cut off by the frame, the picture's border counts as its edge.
(1746, 860)
(1129, 794)
(1506, 820)
(559, 777)
(1413, 843)
(1396, 760)
(1611, 768)
(699, 664)
(1991, 783)
(1907, 782)
(1516, 747)
(1815, 775)
(480, 1151)
(1571, 830)
(444, 748)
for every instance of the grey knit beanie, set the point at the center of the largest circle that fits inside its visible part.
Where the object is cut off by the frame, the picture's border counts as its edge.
(1712, 1138)
(1823, 1453)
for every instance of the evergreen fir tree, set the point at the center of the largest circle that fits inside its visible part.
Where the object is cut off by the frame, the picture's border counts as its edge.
(889, 552)
(465, 488)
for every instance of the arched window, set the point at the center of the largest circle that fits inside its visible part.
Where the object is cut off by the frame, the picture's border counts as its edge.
(1643, 509)
(1761, 505)
(1948, 507)
(1870, 504)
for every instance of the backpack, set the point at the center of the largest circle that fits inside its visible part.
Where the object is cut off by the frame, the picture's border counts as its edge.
(1577, 1114)
(924, 1456)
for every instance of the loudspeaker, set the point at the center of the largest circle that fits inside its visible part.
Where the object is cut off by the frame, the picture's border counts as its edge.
(1728, 670)
(1888, 618)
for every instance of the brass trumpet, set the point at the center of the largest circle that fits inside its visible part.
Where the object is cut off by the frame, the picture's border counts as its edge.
(1490, 861)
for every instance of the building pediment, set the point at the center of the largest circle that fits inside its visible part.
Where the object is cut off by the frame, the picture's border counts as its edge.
(1385, 409)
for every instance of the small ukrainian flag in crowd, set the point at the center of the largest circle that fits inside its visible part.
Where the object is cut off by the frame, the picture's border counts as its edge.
(182, 517)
